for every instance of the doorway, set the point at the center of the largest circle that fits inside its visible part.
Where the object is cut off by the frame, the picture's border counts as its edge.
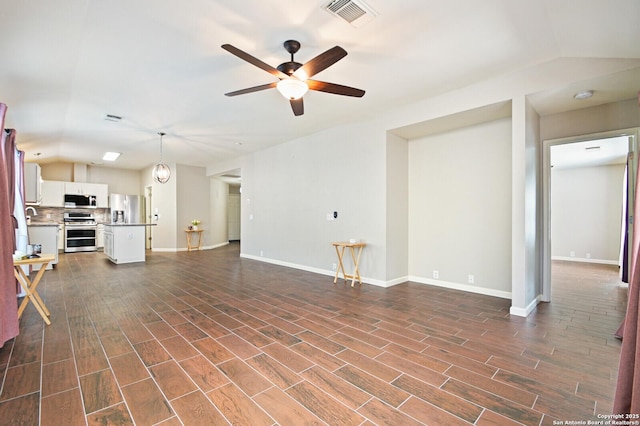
(148, 215)
(233, 213)
(584, 151)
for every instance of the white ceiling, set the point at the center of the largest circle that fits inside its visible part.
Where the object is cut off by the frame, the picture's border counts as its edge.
(159, 65)
(588, 153)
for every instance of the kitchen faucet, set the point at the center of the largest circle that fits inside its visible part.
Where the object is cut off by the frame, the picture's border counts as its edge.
(28, 217)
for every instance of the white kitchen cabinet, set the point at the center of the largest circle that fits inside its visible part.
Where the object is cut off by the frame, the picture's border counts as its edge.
(124, 243)
(61, 237)
(102, 195)
(52, 193)
(100, 190)
(47, 236)
(108, 243)
(32, 184)
(100, 236)
(74, 188)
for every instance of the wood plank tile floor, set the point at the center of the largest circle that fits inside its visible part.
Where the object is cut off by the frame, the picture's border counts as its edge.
(208, 338)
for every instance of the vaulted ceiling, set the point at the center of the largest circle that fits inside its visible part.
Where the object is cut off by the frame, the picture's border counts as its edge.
(158, 64)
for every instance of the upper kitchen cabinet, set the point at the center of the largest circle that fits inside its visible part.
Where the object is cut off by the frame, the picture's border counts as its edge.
(53, 193)
(100, 190)
(32, 183)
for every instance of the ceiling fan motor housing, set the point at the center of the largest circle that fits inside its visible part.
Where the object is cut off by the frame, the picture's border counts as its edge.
(289, 67)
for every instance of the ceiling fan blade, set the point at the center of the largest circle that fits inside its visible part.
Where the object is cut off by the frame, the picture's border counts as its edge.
(297, 106)
(252, 89)
(320, 62)
(254, 61)
(336, 89)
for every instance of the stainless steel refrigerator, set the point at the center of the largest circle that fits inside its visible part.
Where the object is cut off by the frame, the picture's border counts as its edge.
(126, 208)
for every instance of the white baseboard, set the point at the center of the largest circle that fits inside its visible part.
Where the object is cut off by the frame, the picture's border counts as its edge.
(524, 312)
(463, 287)
(176, 249)
(320, 271)
(389, 283)
(587, 260)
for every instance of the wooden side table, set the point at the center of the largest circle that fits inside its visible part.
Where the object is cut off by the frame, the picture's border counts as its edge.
(30, 286)
(190, 232)
(340, 247)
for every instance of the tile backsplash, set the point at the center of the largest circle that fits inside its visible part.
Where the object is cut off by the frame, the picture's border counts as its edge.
(56, 214)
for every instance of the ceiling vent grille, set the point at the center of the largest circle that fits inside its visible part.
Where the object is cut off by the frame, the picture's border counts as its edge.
(355, 12)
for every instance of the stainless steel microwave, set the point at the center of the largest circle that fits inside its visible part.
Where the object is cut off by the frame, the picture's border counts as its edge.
(79, 200)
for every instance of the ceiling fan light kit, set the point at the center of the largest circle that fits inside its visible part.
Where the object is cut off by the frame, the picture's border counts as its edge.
(294, 77)
(292, 88)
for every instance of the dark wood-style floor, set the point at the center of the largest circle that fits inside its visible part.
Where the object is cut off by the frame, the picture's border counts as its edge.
(208, 338)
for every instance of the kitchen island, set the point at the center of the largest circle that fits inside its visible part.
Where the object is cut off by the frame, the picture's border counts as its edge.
(125, 242)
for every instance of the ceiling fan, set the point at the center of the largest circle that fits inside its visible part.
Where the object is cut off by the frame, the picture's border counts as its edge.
(294, 77)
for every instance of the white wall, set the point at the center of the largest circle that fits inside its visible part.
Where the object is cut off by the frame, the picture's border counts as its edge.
(585, 121)
(586, 213)
(120, 181)
(192, 202)
(164, 204)
(460, 208)
(397, 204)
(219, 194)
(288, 190)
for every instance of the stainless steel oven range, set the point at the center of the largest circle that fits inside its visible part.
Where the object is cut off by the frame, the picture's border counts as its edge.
(80, 232)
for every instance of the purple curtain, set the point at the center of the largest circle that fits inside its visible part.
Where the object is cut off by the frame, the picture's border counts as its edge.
(625, 247)
(627, 399)
(8, 302)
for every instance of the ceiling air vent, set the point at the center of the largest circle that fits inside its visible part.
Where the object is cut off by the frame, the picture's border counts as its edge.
(355, 12)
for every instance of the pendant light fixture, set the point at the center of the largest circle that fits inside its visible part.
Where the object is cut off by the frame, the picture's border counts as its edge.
(161, 172)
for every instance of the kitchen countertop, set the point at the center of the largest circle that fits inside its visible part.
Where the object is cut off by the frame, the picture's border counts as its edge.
(43, 224)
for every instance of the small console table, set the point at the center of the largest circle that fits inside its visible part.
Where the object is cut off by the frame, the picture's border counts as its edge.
(340, 247)
(190, 232)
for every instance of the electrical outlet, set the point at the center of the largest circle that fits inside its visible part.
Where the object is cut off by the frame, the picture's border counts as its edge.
(471, 279)
(333, 267)
(572, 254)
(261, 253)
(436, 274)
(588, 255)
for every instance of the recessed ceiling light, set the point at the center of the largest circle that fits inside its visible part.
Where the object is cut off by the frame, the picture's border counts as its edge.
(583, 94)
(111, 156)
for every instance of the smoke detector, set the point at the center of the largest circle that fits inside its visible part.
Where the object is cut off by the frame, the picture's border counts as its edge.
(355, 12)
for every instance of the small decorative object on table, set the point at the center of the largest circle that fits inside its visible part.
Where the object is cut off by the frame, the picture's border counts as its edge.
(195, 223)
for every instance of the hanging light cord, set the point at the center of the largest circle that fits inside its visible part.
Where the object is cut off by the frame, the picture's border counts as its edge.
(161, 135)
